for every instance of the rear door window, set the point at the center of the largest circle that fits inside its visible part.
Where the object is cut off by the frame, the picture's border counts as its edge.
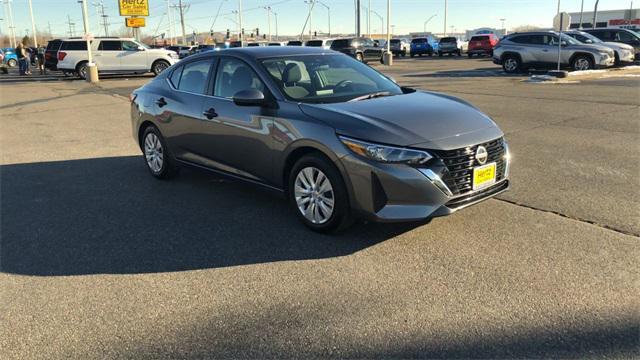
(235, 75)
(194, 76)
(340, 43)
(54, 45)
(175, 77)
(74, 45)
(110, 45)
(623, 36)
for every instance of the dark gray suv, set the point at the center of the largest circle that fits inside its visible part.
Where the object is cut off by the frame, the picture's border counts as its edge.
(338, 138)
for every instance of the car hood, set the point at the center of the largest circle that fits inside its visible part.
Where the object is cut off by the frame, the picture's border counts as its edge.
(421, 119)
(590, 47)
(617, 46)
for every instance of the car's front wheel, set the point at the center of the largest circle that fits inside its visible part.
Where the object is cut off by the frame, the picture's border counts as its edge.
(318, 195)
(582, 62)
(159, 66)
(156, 154)
(359, 57)
(12, 62)
(81, 70)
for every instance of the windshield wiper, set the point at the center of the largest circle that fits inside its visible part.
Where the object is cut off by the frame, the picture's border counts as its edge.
(372, 96)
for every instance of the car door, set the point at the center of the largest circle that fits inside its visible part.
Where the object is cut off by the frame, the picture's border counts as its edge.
(133, 56)
(180, 108)
(238, 138)
(107, 57)
(371, 52)
(549, 52)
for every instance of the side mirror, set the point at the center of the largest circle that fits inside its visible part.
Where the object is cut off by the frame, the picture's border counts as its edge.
(375, 44)
(564, 43)
(251, 97)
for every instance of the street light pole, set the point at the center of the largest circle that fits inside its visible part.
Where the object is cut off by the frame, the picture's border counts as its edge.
(445, 18)
(268, 8)
(240, 22)
(595, 14)
(328, 14)
(12, 27)
(581, 11)
(369, 19)
(387, 58)
(426, 22)
(275, 14)
(33, 26)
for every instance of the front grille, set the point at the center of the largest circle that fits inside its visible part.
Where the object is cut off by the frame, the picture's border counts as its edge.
(460, 164)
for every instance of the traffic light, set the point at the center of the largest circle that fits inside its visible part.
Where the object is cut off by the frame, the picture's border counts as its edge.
(264, 36)
(315, 34)
(257, 31)
(228, 34)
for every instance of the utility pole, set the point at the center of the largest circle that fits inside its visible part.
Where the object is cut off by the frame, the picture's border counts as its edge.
(595, 15)
(311, 3)
(240, 22)
(445, 18)
(33, 26)
(184, 33)
(71, 26)
(381, 20)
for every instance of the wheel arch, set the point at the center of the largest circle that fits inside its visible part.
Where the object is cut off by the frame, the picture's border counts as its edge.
(142, 128)
(154, 62)
(511, 53)
(582, 53)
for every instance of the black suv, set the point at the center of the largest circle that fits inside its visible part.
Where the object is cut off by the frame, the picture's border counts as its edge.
(362, 49)
(51, 54)
(624, 36)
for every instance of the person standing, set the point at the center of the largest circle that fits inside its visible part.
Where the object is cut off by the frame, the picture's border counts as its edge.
(22, 60)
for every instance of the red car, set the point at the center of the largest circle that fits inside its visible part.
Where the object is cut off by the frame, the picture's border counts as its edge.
(482, 45)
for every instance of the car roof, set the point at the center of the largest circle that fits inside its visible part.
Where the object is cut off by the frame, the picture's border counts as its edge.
(258, 52)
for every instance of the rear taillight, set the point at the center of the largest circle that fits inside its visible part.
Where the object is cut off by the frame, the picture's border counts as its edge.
(61, 55)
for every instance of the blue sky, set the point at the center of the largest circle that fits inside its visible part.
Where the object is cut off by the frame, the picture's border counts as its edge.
(407, 15)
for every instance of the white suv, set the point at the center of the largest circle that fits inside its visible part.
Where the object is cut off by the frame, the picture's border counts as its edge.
(113, 55)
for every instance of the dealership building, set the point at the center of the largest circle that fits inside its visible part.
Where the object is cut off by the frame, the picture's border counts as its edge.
(629, 19)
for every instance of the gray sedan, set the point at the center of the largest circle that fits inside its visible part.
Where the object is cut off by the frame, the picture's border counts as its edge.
(623, 53)
(338, 138)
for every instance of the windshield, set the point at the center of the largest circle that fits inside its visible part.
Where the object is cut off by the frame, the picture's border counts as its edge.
(314, 43)
(448, 40)
(326, 78)
(395, 41)
(569, 40)
(142, 44)
(419, 41)
(585, 37)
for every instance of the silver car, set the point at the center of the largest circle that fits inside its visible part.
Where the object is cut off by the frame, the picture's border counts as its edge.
(518, 51)
(623, 53)
(400, 47)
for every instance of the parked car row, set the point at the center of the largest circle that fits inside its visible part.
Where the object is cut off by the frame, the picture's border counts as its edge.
(110, 54)
(576, 50)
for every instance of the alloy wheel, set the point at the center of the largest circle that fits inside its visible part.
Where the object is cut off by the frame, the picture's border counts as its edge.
(160, 67)
(314, 195)
(511, 64)
(581, 64)
(153, 152)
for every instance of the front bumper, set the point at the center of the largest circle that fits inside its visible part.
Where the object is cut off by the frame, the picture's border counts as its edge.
(397, 192)
(605, 61)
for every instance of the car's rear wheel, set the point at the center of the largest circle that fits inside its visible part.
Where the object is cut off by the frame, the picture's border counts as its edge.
(511, 64)
(156, 154)
(470, 55)
(412, 54)
(82, 69)
(12, 62)
(359, 57)
(318, 195)
(582, 62)
(159, 66)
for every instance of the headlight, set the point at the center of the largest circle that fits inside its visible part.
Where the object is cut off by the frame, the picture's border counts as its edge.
(603, 53)
(387, 154)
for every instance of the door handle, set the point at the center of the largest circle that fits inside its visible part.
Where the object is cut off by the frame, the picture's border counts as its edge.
(210, 114)
(161, 102)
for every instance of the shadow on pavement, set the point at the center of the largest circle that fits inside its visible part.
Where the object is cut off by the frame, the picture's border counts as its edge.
(261, 335)
(108, 215)
(482, 72)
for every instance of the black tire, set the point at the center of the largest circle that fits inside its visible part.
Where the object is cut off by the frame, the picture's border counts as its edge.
(511, 64)
(412, 55)
(470, 55)
(616, 61)
(159, 66)
(81, 70)
(440, 53)
(359, 57)
(582, 62)
(419, 54)
(341, 217)
(168, 169)
(459, 52)
(12, 62)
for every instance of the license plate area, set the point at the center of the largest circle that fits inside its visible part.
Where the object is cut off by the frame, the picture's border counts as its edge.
(484, 176)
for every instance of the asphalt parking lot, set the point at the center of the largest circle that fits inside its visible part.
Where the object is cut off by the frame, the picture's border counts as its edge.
(100, 260)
